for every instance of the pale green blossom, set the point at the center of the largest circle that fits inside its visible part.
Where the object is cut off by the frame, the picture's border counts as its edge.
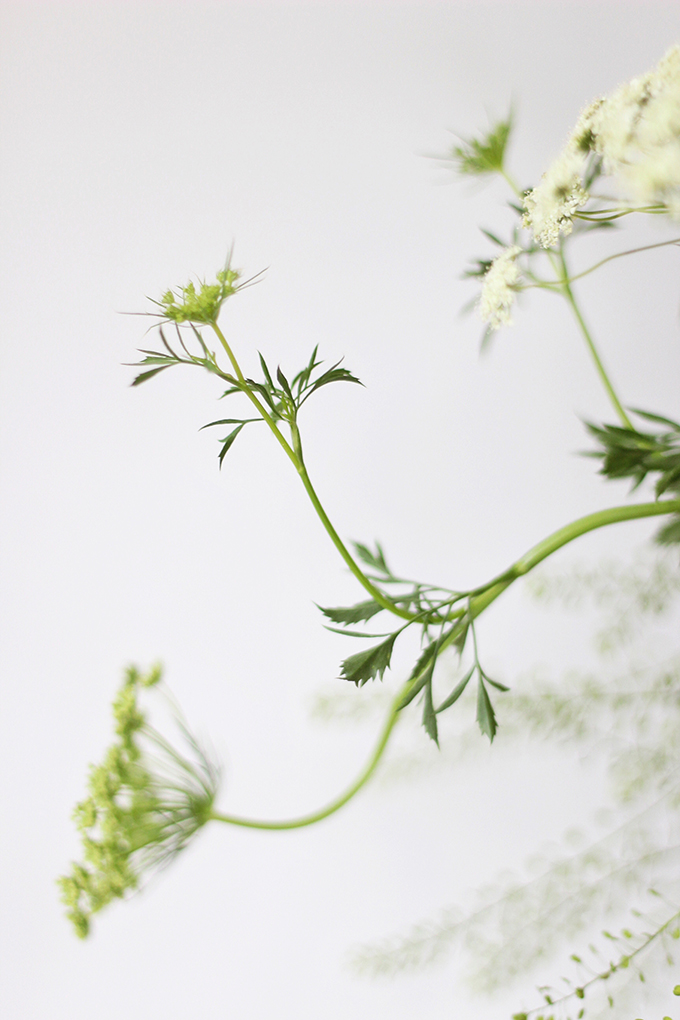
(145, 803)
(499, 288)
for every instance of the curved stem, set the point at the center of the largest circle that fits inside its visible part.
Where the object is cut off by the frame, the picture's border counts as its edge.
(569, 295)
(381, 599)
(334, 805)
(561, 537)
(294, 453)
(476, 605)
(620, 254)
(253, 399)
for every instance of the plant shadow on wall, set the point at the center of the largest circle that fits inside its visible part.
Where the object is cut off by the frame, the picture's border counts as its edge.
(147, 799)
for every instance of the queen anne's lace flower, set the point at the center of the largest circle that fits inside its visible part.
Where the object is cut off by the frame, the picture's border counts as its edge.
(636, 132)
(499, 288)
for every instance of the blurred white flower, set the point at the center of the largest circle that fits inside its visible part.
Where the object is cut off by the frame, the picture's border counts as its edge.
(550, 207)
(499, 288)
(636, 132)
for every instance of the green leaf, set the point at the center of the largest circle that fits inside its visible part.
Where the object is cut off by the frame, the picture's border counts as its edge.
(353, 614)
(265, 372)
(353, 633)
(456, 692)
(459, 643)
(375, 560)
(421, 672)
(495, 683)
(143, 376)
(370, 663)
(229, 421)
(333, 374)
(229, 442)
(485, 155)
(493, 238)
(301, 380)
(284, 383)
(486, 716)
(670, 533)
(429, 714)
(657, 417)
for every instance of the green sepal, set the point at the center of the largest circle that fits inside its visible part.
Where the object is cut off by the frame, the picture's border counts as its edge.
(456, 692)
(353, 614)
(370, 663)
(486, 717)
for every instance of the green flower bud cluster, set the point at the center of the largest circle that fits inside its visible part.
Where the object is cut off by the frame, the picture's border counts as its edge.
(140, 812)
(202, 306)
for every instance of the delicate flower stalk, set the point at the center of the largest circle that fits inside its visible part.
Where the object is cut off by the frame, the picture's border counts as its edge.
(146, 801)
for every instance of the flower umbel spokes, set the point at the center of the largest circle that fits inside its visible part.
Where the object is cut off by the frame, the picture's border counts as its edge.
(146, 801)
(202, 305)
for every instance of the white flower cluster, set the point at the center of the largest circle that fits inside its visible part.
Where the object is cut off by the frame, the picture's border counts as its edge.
(636, 132)
(499, 288)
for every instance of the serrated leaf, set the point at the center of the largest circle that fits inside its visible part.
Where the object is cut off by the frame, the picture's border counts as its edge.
(229, 441)
(353, 614)
(375, 560)
(370, 663)
(143, 376)
(486, 717)
(429, 714)
(456, 692)
(421, 673)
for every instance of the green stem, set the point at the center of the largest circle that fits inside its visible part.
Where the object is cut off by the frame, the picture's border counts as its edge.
(561, 537)
(569, 295)
(476, 605)
(335, 805)
(346, 555)
(294, 453)
(253, 399)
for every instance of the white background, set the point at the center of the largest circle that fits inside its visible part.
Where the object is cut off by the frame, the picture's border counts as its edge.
(139, 141)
